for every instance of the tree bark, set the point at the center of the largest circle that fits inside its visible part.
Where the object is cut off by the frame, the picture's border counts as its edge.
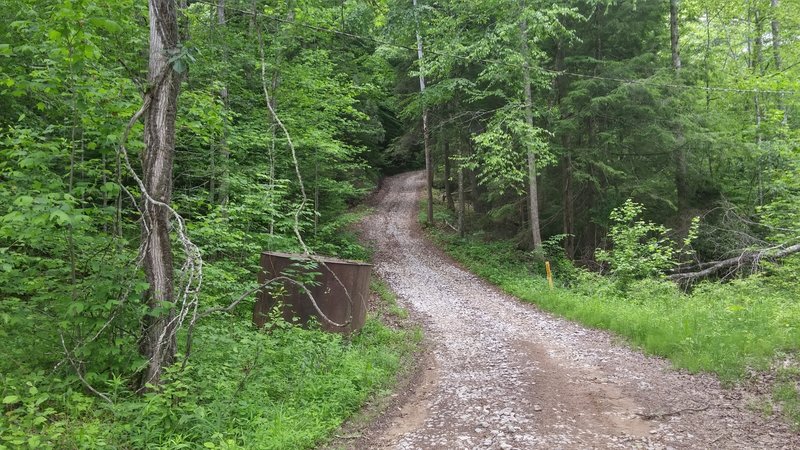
(425, 132)
(533, 194)
(158, 341)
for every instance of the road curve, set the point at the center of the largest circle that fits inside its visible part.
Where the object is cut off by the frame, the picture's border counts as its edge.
(505, 375)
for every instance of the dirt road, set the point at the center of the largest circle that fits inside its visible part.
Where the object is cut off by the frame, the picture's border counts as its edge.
(504, 375)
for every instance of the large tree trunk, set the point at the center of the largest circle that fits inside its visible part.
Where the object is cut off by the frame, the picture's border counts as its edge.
(533, 194)
(158, 341)
(425, 133)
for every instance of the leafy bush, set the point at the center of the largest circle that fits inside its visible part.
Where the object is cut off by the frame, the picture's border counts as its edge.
(640, 248)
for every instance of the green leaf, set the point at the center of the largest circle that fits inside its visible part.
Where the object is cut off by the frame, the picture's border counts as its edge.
(106, 24)
(9, 399)
(5, 50)
(179, 66)
(109, 187)
(61, 217)
(23, 200)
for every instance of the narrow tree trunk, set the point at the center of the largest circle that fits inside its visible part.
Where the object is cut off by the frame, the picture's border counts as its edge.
(448, 186)
(273, 100)
(476, 193)
(776, 53)
(461, 205)
(759, 110)
(158, 343)
(533, 194)
(221, 12)
(569, 208)
(674, 34)
(679, 153)
(425, 133)
(225, 152)
(223, 139)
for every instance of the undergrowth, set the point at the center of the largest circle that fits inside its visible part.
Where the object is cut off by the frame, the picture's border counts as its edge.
(284, 387)
(730, 329)
(243, 388)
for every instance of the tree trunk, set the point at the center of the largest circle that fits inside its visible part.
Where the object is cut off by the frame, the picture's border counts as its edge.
(747, 260)
(158, 341)
(461, 205)
(223, 139)
(425, 133)
(679, 153)
(221, 12)
(674, 34)
(533, 194)
(759, 110)
(776, 53)
(448, 187)
(569, 208)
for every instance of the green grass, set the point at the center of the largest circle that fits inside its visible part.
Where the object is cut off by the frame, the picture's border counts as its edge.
(285, 387)
(288, 388)
(388, 298)
(728, 329)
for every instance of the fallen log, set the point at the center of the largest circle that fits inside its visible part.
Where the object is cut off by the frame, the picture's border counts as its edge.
(747, 259)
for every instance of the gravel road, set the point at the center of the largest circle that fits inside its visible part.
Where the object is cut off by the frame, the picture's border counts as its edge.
(504, 375)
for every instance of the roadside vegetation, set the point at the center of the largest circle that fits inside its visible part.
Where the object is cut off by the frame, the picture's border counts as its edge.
(285, 387)
(738, 330)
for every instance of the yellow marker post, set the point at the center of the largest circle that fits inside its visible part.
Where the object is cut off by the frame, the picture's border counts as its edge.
(549, 273)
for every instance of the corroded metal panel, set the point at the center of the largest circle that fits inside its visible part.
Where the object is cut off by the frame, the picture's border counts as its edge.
(340, 290)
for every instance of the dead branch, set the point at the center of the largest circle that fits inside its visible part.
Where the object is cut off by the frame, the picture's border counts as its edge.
(79, 372)
(750, 259)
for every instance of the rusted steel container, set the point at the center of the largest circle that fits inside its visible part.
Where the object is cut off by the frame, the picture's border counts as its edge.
(340, 290)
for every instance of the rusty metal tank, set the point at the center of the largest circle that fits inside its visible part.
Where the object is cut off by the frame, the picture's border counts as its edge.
(340, 290)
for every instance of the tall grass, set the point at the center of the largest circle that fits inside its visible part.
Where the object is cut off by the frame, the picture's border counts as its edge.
(729, 329)
(721, 328)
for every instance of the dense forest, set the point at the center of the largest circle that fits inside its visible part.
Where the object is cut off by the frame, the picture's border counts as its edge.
(149, 151)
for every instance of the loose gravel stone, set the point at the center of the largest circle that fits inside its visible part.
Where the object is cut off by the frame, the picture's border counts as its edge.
(504, 374)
